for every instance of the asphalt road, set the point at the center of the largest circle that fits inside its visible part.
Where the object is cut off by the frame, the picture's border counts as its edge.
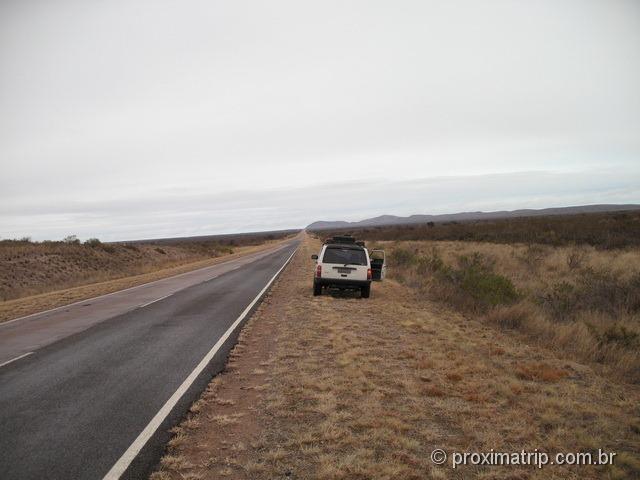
(25, 335)
(72, 408)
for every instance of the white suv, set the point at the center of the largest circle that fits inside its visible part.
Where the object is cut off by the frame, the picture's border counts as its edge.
(342, 264)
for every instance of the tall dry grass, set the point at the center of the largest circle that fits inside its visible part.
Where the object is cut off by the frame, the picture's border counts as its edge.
(579, 300)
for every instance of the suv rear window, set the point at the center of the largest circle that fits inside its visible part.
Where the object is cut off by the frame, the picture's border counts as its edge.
(342, 256)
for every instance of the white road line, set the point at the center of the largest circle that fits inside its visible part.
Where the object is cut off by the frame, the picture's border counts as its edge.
(2, 324)
(14, 359)
(154, 301)
(130, 454)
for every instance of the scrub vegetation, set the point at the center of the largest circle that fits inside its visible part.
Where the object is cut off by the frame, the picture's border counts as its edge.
(568, 282)
(601, 230)
(580, 301)
(337, 387)
(35, 276)
(28, 268)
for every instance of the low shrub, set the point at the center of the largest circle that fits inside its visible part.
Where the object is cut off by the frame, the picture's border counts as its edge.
(559, 301)
(471, 285)
(108, 248)
(489, 288)
(430, 263)
(603, 291)
(619, 335)
(402, 257)
(576, 259)
(533, 255)
(92, 242)
(595, 290)
(475, 277)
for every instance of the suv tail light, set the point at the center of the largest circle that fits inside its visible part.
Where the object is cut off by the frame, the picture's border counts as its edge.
(368, 274)
(319, 271)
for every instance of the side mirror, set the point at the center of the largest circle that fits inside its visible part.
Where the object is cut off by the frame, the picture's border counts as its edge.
(314, 257)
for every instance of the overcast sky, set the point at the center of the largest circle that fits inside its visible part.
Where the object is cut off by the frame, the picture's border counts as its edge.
(129, 119)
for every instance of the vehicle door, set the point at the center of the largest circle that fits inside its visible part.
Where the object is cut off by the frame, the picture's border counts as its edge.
(378, 265)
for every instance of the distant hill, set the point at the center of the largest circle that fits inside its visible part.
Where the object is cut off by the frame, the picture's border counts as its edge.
(385, 220)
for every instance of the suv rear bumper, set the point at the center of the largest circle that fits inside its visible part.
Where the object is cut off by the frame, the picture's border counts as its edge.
(341, 283)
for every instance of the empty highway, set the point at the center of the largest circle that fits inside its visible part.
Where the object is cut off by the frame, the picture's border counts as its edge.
(90, 390)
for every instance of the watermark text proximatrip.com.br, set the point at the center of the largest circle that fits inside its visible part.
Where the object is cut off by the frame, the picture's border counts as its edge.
(535, 458)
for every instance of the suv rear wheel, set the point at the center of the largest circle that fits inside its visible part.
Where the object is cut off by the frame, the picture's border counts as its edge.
(317, 289)
(365, 292)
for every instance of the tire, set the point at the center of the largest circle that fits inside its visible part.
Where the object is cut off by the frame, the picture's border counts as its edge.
(365, 292)
(317, 289)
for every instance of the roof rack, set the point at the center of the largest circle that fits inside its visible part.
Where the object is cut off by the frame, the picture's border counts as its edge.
(341, 239)
(345, 240)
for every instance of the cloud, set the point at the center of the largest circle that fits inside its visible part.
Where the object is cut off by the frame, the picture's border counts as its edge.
(165, 214)
(126, 119)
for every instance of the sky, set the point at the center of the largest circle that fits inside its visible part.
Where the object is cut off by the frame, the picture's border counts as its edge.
(124, 120)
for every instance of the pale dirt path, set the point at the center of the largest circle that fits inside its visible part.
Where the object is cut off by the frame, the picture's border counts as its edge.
(345, 388)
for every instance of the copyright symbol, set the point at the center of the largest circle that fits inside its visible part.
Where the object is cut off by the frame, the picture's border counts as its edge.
(438, 456)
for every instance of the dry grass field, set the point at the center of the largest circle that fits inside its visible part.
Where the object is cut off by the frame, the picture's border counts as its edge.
(36, 276)
(337, 387)
(580, 301)
(571, 283)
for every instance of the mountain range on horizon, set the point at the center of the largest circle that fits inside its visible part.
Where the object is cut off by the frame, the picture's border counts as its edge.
(386, 220)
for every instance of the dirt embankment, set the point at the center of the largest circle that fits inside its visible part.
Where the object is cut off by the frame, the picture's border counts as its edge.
(39, 276)
(344, 388)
